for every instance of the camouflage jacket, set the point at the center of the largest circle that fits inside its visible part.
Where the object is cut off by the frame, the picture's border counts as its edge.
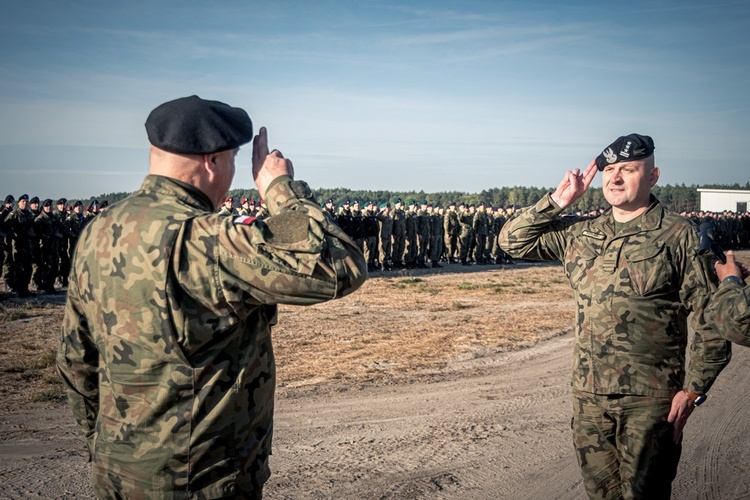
(480, 223)
(450, 223)
(633, 292)
(166, 347)
(386, 225)
(729, 312)
(19, 225)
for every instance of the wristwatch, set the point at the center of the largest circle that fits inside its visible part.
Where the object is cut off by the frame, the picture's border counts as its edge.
(736, 279)
(697, 399)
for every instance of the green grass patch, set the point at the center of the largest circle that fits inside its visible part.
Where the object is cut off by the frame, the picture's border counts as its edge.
(48, 359)
(411, 281)
(47, 395)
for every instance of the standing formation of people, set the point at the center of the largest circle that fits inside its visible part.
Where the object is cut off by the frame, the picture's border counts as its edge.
(38, 240)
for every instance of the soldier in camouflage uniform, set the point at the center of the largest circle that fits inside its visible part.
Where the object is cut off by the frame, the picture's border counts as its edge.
(386, 235)
(451, 230)
(480, 224)
(423, 234)
(466, 235)
(636, 276)
(227, 208)
(399, 234)
(729, 309)
(166, 348)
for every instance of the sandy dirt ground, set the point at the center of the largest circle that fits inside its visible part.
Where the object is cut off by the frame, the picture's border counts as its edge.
(485, 416)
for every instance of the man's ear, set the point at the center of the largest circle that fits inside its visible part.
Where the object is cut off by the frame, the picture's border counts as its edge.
(208, 164)
(654, 176)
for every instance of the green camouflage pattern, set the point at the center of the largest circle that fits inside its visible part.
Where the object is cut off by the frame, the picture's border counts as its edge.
(728, 312)
(166, 348)
(625, 445)
(633, 292)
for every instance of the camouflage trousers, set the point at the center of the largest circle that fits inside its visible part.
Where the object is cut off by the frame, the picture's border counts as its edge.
(624, 445)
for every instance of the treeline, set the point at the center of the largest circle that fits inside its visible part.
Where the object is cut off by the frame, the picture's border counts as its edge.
(677, 197)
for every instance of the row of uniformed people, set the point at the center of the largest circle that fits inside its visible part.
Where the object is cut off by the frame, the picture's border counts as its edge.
(38, 240)
(414, 234)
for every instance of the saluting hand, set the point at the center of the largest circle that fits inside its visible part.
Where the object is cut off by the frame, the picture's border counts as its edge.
(573, 185)
(267, 166)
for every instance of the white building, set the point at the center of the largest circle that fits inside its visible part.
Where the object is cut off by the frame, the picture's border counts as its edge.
(718, 200)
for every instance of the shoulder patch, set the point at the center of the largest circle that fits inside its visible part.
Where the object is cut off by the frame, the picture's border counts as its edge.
(245, 220)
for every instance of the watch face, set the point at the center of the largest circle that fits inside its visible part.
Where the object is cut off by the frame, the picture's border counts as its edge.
(700, 399)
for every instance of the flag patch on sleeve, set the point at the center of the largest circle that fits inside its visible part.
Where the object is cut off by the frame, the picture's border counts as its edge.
(244, 220)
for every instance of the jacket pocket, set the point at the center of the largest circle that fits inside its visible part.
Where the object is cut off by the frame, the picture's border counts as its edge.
(650, 269)
(580, 257)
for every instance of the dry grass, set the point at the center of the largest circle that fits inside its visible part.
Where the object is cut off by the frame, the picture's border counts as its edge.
(394, 329)
(29, 332)
(397, 327)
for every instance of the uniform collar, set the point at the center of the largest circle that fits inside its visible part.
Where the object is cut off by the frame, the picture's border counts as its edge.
(650, 220)
(183, 191)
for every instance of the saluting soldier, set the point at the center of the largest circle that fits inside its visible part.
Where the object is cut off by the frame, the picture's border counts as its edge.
(167, 359)
(227, 208)
(637, 277)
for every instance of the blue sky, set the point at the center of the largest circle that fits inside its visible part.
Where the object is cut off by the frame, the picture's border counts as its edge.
(430, 95)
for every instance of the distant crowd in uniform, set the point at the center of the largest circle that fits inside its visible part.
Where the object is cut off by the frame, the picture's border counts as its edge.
(38, 239)
(412, 235)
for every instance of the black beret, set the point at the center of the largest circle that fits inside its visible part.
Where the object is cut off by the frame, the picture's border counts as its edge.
(62, 201)
(626, 148)
(191, 125)
(47, 203)
(35, 199)
(9, 199)
(23, 197)
(79, 203)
